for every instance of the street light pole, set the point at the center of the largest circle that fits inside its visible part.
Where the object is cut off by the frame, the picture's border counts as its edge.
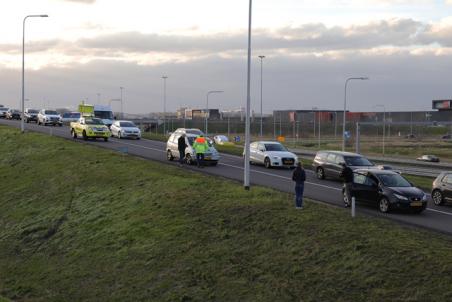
(345, 108)
(164, 104)
(122, 107)
(384, 126)
(207, 107)
(246, 176)
(262, 66)
(22, 122)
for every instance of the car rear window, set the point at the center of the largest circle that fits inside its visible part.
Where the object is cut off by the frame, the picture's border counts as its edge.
(321, 155)
(357, 161)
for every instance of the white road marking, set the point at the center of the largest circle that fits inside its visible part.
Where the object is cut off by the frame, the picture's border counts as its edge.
(241, 168)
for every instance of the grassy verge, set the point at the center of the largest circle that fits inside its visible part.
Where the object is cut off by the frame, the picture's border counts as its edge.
(78, 223)
(153, 136)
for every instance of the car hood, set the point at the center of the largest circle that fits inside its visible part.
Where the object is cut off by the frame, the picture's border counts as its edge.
(280, 154)
(130, 129)
(408, 191)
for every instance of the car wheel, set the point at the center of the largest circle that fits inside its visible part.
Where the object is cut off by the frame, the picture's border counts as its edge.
(169, 155)
(267, 163)
(138, 138)
(345, 199)
(73, 133)
(437, 197)
(188, 159)
(383, 205)
(85, 137)
(61, 125)
(106, 139)
(320, 173)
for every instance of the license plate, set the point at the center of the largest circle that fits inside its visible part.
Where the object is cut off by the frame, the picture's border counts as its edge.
(98, 133)
(416, 204)
(208, 158)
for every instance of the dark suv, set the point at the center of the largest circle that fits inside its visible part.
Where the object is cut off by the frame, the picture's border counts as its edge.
(387, 189)
(31, 115)
(329, 163)
(442, 188)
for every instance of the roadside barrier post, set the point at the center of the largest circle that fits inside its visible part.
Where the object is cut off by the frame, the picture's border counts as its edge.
(353, 206)
(51, 131)
(358, 137)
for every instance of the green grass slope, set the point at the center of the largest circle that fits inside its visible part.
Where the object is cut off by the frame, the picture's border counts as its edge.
(79, 223)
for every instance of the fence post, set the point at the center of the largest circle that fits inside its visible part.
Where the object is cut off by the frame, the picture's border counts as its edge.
(353, 206)
(358, 137)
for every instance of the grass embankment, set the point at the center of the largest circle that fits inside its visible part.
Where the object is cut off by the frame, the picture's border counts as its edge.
(82, 223)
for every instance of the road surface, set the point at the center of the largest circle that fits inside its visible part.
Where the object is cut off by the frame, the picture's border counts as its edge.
(434, 218)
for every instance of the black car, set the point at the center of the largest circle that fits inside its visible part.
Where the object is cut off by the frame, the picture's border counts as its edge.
(329, 163)
(442, 188)
(386, 189)
(13, 114)
(31, 115)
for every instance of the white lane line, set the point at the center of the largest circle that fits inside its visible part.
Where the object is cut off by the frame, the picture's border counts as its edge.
(438, 211)
(279, 176)
(260, 172)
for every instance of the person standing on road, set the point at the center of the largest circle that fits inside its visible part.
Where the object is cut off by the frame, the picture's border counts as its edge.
(347, 176)
(201, 146)
(299, 177)
(181, 146)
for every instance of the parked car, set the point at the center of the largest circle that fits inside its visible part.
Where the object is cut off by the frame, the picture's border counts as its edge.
(3, 111)
(13, 114)
(429, 158)
(388, 168)
(442, 188)
(89, 127)
(446, 137)
(31, 115)
(46, 117)
(210, 157)
(220, 139)
(272, 154)
(125, 129)
(192, 131)
(329, 163)
(386, 189)
(69, 117)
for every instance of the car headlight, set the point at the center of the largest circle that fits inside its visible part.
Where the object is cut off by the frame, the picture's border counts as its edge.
(275, 157)
(401, 197)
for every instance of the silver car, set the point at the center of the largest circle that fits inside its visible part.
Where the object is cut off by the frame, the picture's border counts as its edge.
(125, 129)
(272, 154)
(172, 152)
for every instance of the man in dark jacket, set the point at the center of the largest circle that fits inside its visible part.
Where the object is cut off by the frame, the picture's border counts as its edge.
(181, 146)
(299, 176)
(347, 176)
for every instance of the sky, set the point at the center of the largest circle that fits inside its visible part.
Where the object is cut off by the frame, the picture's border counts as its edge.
(87, 49)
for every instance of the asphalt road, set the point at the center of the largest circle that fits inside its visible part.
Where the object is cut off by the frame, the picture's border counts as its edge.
(434, 218)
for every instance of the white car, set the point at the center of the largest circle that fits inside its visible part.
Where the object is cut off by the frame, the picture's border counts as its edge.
(272, 154)
(3, 111)
(210, 157)
(220, 139)
(125, 129)
(69, 117)
(46, 116)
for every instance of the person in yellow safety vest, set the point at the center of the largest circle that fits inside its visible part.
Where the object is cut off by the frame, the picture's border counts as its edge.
(201, 146)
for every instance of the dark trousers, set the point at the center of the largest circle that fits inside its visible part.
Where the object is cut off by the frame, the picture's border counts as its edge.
(299, 189)
(200, 159)
(181, 156)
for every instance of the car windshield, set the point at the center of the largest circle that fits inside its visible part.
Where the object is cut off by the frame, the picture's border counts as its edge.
(32, 111)
(193, 131)
(107, 115)
(357, 161)
(51, 112)
(71, 115)
(393, 180)
(275, 147)
(94, 121)
(191, 139)
(222, 138)
(127, 124)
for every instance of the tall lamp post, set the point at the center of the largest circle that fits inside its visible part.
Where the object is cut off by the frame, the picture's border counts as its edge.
(345, 107)
(384, 125)
(207, 108)
(22, 122)
(122, 100)
(164, 103)
(262, 67)
(246, 171)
